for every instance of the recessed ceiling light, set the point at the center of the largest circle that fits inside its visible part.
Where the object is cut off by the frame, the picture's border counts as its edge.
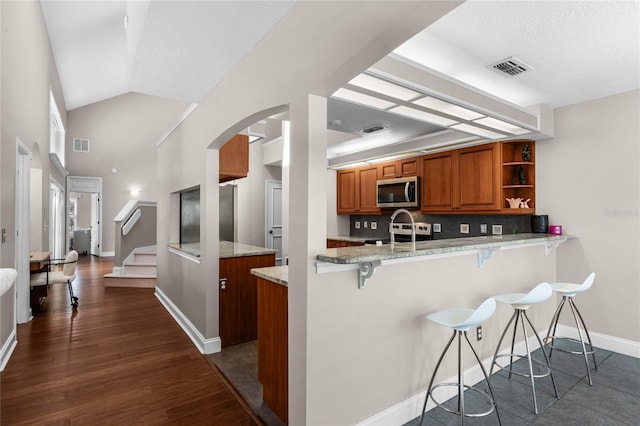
(360, 98)
(448, 108)
(384, 87)
(502, 125)
(467, 128)
(422, 116)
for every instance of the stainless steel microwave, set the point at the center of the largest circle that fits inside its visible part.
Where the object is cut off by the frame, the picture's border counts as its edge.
(400, 192)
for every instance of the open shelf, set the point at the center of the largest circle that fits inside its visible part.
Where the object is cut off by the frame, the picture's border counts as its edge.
(515, 170)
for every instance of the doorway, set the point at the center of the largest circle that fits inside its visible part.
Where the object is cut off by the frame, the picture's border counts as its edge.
(273, 216)
(84, 229)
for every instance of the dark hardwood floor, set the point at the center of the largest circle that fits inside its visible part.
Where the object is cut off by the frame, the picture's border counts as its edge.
(119, 359)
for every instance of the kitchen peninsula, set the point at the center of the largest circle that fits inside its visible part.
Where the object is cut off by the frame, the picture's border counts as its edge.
(369, 257)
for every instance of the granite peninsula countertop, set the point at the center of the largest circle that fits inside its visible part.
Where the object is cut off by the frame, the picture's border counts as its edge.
(371, 253)
(350, 239)
(275, 274)
(227, 249)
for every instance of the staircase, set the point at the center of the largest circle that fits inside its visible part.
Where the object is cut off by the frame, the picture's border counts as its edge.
(138, 270)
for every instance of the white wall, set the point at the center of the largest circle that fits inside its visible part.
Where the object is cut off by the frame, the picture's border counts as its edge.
(28, 72)
(123, 132)
(587, 180)
(337, 225)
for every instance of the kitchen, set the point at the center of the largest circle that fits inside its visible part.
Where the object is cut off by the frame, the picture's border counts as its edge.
(380, 323)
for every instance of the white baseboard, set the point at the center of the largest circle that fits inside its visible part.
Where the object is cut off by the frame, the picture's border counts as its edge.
(7, 349)
(411, 407)
(107, 254)
(205, 346)
(599, 340)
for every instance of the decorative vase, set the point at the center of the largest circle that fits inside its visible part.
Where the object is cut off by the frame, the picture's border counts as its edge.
(526, 153)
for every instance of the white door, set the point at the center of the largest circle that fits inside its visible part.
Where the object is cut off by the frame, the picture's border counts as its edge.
(273, 228)
(95, 224)
(22, 235)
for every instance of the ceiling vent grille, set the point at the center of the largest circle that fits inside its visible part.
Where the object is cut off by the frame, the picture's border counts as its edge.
(511, 66)
(372, 129)
(80, 145)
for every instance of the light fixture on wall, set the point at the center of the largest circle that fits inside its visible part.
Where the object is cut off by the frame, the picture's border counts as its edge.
(134, 191)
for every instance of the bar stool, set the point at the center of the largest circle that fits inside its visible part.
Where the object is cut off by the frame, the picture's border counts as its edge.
(461, 320)
(520, 303)
(568, 291)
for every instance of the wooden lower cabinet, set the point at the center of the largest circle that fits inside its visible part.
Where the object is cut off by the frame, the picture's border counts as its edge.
(238, 300)
(331, 243)
(273, 345)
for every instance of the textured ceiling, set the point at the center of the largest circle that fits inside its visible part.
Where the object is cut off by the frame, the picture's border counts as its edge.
(579, 49)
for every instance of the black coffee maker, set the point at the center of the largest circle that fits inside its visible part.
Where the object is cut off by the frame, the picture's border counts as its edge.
(540, 224)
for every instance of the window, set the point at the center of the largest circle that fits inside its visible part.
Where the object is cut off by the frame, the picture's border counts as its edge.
(56, 131)
(190, 216)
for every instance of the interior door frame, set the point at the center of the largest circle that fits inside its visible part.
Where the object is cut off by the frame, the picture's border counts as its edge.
(60, 251)
(22, 231)
(91, 185)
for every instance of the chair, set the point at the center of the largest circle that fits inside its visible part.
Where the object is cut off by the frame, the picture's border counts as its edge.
(461, 320)
(57, 276)
(568, 291)
(520, 303)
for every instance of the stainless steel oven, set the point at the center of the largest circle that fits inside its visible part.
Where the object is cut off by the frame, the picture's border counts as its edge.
(400, 192)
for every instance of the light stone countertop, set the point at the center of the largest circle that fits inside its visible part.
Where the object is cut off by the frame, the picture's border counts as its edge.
(227, 249)
(230, 249)
(371, 253)
(275, 274)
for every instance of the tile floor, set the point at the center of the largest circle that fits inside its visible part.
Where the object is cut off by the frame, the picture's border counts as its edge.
(239, 364)
(614, 398)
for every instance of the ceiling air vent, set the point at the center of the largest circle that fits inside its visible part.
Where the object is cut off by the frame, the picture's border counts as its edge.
(372, 129)
(511, 66)
(80, 145)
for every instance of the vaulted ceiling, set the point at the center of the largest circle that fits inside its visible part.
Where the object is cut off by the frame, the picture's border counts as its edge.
(575, 50)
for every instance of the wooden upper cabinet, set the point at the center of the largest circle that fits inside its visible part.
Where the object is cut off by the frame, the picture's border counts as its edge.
(357, 190)
(463, 180)
(437, 184)
(234, 158)
(347, 183)
(368, 190)
(400, 168)
(476, 177)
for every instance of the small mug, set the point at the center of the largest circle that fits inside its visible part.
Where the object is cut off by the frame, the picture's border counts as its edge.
(555, 229)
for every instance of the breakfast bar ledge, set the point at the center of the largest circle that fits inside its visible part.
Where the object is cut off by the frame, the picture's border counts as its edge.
(367, 258)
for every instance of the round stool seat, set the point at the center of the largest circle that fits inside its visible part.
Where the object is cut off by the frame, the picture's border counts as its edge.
(538, 294)
(571, 289)
(462, 319)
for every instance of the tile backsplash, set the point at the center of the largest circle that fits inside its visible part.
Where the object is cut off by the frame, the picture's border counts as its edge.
(449, 224)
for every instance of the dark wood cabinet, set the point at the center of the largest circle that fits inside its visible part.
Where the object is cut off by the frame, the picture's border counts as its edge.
(238, 298)
(400, 168)
(437, 183)
(476, 178)
(357, 190)
(273, 345)
(331, 243)
(462, 181)
(234, 158)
